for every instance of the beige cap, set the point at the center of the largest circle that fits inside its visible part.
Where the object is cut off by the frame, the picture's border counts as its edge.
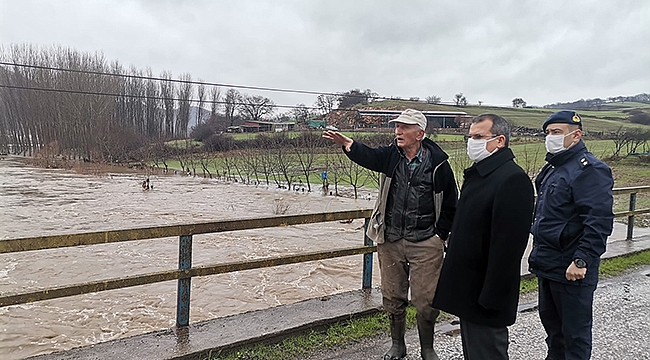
(410, 116)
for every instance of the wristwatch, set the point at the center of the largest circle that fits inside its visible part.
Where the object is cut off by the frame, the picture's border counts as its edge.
(580, 264)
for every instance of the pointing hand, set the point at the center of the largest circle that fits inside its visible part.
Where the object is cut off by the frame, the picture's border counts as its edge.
(338, 139)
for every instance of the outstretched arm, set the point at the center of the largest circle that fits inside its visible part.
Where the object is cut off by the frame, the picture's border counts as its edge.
(338, 139)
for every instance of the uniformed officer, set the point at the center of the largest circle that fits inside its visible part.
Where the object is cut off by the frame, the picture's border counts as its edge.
(573, 218)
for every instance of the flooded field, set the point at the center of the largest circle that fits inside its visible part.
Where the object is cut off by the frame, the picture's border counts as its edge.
(36, 202)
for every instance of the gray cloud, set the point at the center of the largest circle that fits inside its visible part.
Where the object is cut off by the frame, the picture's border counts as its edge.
(494, 51)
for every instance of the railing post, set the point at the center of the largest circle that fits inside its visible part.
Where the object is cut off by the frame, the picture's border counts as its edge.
(367, 258)
(184, 285)
(630, 219)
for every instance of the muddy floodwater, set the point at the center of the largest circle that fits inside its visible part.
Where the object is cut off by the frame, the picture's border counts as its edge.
(37, 202)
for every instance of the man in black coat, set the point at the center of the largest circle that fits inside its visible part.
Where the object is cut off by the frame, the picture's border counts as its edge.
(411, 219)
(480, 276)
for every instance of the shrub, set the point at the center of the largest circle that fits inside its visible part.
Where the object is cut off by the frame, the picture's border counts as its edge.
(219, 142)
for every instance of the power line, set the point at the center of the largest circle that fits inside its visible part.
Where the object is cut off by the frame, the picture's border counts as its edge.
(179, 81)
(171, 80)
(79, 92)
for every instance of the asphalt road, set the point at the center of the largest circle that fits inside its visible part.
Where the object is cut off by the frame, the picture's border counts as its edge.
(621, 328)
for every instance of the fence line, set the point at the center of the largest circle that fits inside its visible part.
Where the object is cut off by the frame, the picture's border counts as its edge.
(185, 271)
(633, 190)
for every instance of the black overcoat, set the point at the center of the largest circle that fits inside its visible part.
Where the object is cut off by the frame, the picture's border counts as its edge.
(481, 271)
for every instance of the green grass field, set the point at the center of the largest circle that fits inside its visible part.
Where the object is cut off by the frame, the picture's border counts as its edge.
(529, 152)
(529, 155)
(184, 143)
(609, 118)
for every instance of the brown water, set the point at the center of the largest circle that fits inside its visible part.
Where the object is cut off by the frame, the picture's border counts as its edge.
(35, 202)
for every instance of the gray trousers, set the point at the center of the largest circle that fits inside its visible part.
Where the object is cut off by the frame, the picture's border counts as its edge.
(482, 342)
(402, 264)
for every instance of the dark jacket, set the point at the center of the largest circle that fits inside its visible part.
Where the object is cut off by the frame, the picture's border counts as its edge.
(442, 202)
(479, 281)
(573, 215)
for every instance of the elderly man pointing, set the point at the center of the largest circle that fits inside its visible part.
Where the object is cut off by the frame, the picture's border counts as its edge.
(410, 222)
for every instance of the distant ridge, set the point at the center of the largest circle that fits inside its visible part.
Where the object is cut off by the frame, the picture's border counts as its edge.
(583, 104)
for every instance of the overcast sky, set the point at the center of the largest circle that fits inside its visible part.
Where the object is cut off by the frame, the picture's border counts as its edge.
(492, 51)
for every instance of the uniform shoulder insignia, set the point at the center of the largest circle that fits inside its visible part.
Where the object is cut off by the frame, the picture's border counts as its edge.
(583, 161)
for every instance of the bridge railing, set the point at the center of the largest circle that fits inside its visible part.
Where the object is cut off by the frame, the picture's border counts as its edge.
(633, 191)
(185, 271)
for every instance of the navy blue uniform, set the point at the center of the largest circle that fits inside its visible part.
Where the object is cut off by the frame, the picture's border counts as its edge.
(573, 218)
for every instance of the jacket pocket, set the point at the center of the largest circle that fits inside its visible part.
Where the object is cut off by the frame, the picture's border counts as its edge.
(424, 221)
(571, 234)
(375, 229)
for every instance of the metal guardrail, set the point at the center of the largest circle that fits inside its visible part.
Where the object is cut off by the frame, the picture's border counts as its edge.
(185, 271)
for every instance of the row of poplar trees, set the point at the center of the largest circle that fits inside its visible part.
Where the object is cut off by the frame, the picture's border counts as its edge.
(95, 109)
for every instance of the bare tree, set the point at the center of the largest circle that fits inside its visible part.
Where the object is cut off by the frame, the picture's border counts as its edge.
(228, 159)
(637, 138)
(332, 155)
(191, 158)
(325, 103)
(167, 93)
(201, 100)
(159, 154)
(184, 95)
(300, 113)
(279, 156)
(353, 173)
(433, 99)
(305, 148)
(231, 103)
(75, 123)
(459, 161)
(215, 96)
(531, 158)
(153, 116)
(255, 107)
(460, 99)
(266, 163)
(205, 160)
(621, 139)
(374, 176)
(252, 162)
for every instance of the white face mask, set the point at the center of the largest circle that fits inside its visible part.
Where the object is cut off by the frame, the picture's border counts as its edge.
(476, 149)
(555, 143)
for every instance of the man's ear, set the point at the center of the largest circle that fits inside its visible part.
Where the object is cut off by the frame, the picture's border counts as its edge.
(502, 141)
(579, 132)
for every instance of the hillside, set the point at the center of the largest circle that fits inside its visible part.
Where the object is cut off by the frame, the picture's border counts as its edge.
(610, 117)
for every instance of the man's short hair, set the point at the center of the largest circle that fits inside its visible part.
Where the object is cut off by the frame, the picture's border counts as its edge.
(500, 126)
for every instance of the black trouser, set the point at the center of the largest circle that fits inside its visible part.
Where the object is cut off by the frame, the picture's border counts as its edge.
(566, 313)
(482, 342)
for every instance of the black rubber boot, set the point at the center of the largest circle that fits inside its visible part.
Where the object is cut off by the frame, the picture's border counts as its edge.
(425, 331)
(397, 330)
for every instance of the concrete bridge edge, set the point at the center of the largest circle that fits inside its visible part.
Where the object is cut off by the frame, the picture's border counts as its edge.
(200, 340)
